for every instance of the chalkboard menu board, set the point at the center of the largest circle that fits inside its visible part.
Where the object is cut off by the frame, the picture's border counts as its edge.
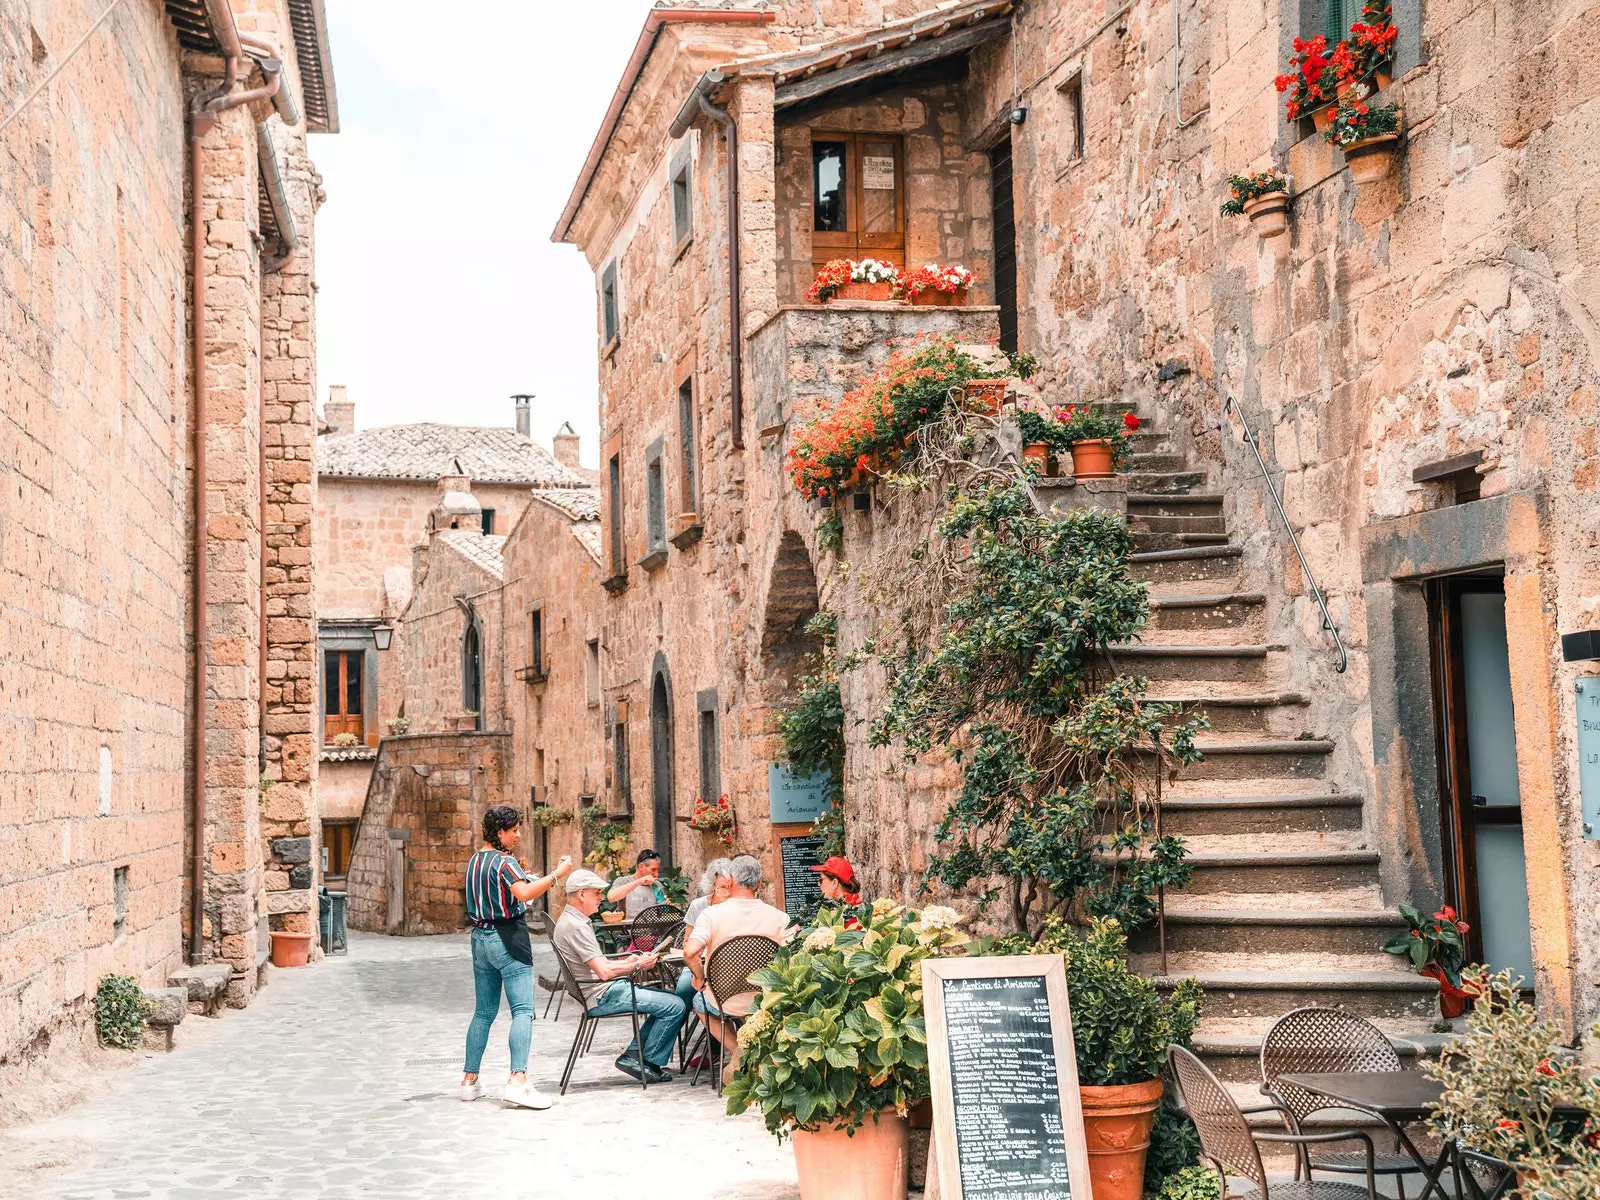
(801, 885)
(1007, 1099)
(1006, 1116)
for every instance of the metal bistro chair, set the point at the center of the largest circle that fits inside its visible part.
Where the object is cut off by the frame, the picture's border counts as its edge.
(653, 926)
(1480, 1177)
(728, 972)
(589, 1020)
(1228, 1141)
(1324, 1040)
(557, 987)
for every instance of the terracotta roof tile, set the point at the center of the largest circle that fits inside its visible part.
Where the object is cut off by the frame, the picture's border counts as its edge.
(427, 450)
(480, 548)
(581, 504)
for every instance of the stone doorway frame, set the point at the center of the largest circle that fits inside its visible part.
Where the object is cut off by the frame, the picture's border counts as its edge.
(1398, 556)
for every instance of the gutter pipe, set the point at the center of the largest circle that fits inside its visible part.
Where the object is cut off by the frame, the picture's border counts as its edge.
(203, 112)
(699, 101)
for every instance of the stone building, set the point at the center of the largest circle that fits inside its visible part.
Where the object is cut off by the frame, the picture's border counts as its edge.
(159, 782)
(1414, 360)
(376, 491)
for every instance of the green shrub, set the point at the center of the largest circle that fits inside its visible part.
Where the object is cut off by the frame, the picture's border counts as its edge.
(1191, 1183)
(119, 1011)
(1174, 1150)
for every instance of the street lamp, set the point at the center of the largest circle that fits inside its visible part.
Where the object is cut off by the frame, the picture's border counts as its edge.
(382, 635)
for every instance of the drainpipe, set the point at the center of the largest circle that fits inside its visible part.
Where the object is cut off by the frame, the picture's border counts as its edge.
(698, 101)
(202, 118)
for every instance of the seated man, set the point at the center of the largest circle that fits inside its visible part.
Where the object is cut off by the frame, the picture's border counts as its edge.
(642, 889)
(603, 981)
(739, 915)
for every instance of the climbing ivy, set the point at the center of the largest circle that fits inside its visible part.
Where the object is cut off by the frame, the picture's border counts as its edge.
(1015, 680)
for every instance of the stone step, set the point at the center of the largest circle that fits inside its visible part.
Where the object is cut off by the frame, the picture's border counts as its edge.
(1205, 610)
(1165, 482)
(1176, 541)
(1371, 994)
(1147, 523)
(1315, 812)
(1259, 758)
(1192, 662)
(1187, 504)
(1194, 563)
(1316, 932)
(1259, 872)
(1242, 714)
(1157, 460)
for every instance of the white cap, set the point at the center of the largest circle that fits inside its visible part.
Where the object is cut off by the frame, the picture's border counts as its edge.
(581, 879)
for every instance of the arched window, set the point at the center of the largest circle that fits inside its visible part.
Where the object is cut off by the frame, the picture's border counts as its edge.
(472, 670)
(662, 807)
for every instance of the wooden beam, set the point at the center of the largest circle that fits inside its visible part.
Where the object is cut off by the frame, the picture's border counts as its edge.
(1447, 468)
(893, 62)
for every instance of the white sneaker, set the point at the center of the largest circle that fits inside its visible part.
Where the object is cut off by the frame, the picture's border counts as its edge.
(471, 1091)
(525, 1095)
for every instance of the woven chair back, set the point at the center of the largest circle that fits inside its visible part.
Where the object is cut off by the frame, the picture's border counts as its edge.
(731, 964)
(1320, 1041)
(1224, 1133)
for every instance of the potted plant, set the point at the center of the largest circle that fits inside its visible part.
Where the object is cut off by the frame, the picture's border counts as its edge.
(854, 279)
(290, 948)
(1263, 197)
(548, 815)
(1437, 948)
(835, 1052)
(1362, 56)
(1121, 1028)
(1099, 441)
(1310, 83)
(715, 822)
(345, 741)
(935, 286)
(1368, 134)
(399, 726)
(1505, 1080)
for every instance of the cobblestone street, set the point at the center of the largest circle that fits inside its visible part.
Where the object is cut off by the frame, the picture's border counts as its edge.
(340, 1081)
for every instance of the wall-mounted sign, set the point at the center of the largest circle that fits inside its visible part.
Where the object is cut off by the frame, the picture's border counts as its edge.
(796, 799)
(877, 173)
(1589, 754)
(1006, 1118)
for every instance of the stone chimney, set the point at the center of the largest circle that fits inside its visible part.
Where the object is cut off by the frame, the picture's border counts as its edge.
(339, 412)
(565, 445)
(458, 508)
(524, 415)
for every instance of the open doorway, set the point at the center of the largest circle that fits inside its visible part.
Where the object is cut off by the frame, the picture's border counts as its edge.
(661, 792)
(1485, 871)
(1005, 241)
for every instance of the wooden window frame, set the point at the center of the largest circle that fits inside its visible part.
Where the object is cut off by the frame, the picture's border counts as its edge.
(336, 723)
(887, 247)
(610, 314)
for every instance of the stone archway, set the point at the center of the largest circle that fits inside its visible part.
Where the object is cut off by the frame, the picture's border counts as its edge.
(791, 603)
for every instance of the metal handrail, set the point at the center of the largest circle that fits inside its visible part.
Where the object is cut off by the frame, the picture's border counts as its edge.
(1311, 581)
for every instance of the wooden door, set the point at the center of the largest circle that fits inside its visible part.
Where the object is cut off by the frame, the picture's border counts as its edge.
(343, 694)
(1480, 796)
(858, 207)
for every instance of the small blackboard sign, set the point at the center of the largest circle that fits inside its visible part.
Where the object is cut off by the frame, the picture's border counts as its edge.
(802, 889)
(1006, 1116)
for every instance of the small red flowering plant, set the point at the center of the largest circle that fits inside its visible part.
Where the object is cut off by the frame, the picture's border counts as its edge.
(1355, 120)
(1318, 75)
(934, 278)
(1061, 427)
(840, 271)
(1311, 82)
(1244, 188)
(716, 817)
(875, 422)
(1368, 46)
(1441, 939)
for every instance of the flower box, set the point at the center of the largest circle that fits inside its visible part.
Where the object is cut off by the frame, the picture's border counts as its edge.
(863, 291)
(937, 299)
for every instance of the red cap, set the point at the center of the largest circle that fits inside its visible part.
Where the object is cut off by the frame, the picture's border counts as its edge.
(839, 868)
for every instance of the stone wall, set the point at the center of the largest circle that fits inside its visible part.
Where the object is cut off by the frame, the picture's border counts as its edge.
(94, 527)
(425, 806)
(429, 634)
(558, 734)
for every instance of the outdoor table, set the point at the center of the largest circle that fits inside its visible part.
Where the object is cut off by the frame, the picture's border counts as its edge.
(616, 936)
(1397, 1098)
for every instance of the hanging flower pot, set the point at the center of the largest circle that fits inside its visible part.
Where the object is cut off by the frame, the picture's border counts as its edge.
(1269, 214)
(983, 396)
(1369, 159)
(1093, 459)
(1116, 1127)
(1037, 453)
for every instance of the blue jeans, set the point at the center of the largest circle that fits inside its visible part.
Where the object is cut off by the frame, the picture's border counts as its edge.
(662, 1013)
(492, 970)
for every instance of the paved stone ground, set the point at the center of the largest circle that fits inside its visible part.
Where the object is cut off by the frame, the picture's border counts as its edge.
(340, 1081)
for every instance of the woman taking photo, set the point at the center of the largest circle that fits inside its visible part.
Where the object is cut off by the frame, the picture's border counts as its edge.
(498, 891)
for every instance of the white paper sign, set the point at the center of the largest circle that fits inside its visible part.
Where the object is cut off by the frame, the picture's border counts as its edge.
(877, 174)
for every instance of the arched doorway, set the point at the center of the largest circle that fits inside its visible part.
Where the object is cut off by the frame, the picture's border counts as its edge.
(472, 671)
(662, 808)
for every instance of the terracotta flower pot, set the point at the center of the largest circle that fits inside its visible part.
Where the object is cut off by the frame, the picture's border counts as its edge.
(934, 298)
(1452, 1000)
(1379, 81)
(290, 949)
(1037, 453)
(1269, 214)
(865, 291)
(1322, 116)
(1116, 1126)
(869, 1166)
(983, 396)
(1370, 158)
(1093, 459)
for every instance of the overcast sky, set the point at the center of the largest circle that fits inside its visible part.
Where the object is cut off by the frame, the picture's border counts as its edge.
(462, 129)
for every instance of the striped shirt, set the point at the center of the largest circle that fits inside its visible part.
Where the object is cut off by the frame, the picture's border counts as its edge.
(490, 874)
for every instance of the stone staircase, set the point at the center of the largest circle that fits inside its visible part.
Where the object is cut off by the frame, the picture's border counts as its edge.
(1284, 907)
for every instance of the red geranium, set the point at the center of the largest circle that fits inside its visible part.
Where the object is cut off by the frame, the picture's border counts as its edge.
(1131, 421)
